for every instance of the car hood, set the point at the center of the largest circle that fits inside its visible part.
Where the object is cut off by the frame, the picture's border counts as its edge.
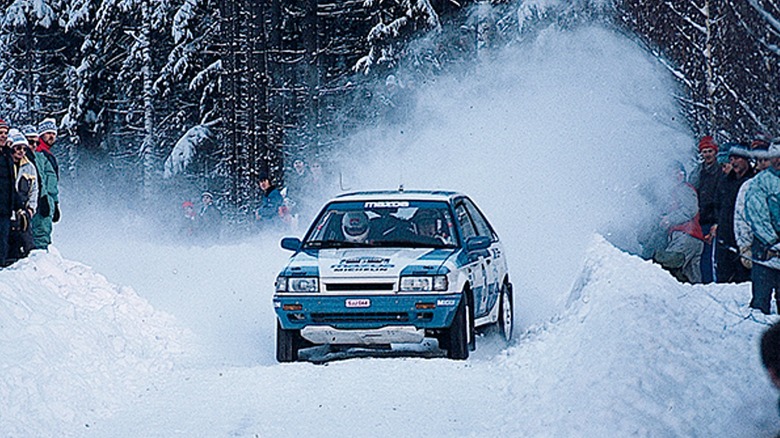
(368, 262)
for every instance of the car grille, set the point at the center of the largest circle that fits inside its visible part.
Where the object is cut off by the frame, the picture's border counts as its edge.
(325, 318)
(351, 287)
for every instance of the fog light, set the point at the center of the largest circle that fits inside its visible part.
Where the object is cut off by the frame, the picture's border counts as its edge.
(292, 307)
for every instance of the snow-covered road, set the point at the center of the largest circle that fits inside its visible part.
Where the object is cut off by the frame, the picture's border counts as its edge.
(632, 355)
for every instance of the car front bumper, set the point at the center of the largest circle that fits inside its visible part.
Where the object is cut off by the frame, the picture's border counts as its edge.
(366, 313)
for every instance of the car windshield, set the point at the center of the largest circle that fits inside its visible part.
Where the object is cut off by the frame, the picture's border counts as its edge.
(407, 224)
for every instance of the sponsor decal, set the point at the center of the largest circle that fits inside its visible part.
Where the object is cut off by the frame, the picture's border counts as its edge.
(358, 302)
(363, 264)
(444, 303)
(386, 204)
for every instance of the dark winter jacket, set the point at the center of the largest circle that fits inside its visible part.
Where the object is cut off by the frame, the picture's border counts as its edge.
(706, 186)
(210, 221)
(10, 200)
(727, 197)
(269, 205)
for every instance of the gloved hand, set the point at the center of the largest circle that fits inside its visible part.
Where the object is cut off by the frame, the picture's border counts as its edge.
(22, 220)
(56, 217)
(746, 257)
(44, 209)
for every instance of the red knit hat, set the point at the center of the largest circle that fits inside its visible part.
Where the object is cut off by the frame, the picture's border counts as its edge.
(707, 142)
(3, 124)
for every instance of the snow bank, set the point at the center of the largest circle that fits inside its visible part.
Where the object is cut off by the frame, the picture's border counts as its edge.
(639, 354)
(635, 353)
(72, 346)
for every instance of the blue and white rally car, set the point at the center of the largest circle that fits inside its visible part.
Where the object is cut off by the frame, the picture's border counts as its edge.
(393, 267)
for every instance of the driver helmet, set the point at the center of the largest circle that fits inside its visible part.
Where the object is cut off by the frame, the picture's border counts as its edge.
(355, 226)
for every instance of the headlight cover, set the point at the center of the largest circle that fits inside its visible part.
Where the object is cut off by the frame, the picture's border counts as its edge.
(297, 284)
(424, 283)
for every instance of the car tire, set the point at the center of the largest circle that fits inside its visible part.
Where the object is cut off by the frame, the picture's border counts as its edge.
(457, 335)
(287, 344)
(506, 316)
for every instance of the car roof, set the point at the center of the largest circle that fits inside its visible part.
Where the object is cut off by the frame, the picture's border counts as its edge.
(406, 195)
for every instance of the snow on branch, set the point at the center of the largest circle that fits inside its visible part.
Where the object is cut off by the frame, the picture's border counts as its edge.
(185, 149)
(203, 76)
(764, 14)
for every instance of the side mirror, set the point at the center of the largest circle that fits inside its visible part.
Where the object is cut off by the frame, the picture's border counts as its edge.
(478, 243)
(291, 243)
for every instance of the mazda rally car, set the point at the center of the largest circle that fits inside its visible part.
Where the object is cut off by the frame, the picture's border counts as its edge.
(393, 267)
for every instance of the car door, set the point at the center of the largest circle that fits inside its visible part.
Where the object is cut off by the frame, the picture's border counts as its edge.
(493, 265)
(477, 266)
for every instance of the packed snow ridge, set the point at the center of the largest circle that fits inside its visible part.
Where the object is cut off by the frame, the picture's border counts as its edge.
(633, 353)
(72, 345)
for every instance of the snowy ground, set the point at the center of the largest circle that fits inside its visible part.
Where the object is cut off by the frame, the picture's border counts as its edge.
(113, 333)
(632, 355)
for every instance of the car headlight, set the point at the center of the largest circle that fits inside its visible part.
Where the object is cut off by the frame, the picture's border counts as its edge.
(297, 284)
(424, 283)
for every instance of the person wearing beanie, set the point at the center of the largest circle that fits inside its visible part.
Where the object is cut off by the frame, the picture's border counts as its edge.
(10, 201)
(762, 202)
(48, 171)
(268, 213)
(723, 161)
(20, 240)
(706, 180)
(729, 269)
(209, 219)
(3, 132)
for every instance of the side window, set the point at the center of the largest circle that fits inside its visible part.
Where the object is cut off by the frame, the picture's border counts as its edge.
(481, 224)
(466, 227)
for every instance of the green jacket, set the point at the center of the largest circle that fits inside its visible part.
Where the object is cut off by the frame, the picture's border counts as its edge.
(49, 195)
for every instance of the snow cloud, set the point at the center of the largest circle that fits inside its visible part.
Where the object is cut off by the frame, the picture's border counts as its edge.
(552, 139)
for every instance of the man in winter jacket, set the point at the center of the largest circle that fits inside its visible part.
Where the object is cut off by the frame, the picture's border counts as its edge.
(3, 132)
(729, 268)
(762, 209)
(209, 218)
(272, 201)
(706, 180)
(20, 238)
(10, 201)
(48, 170)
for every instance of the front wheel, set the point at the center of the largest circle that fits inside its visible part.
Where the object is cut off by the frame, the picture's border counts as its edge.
(506, 317)
(287, 344)
(457, 335)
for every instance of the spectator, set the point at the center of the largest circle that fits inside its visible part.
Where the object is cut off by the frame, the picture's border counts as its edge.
(20, 240)
(728, 267)
(742, 232)
(680, 220)
(271, 209)
(209, 218)
(723, 161)
(10, 201)
(3, 132)
(706, 180)
(188, 219)
(770, 354)
(48, 170)
(297, 183)
(762, 205)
